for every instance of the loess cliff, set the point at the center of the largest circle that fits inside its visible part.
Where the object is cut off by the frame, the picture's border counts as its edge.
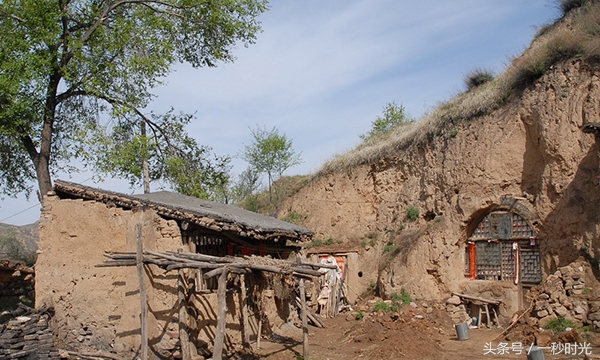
(529, 156)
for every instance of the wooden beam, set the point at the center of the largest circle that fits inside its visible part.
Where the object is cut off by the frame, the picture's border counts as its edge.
(245, 322)
(470, 297)
(221, 315)
(143, 299)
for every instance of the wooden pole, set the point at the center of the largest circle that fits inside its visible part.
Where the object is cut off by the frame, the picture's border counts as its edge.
(304, 321)
(258, 333)
(184, 338)
(221, 315)
(245, 322)
(143, 300)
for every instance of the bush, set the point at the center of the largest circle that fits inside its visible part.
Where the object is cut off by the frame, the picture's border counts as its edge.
(478, 77)
(392, 117)
(568, 5)
(412, 213)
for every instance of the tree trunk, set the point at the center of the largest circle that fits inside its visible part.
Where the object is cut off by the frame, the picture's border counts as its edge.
(145, 166)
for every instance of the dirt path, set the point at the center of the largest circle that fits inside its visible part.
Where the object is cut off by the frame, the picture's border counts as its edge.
(402, 335)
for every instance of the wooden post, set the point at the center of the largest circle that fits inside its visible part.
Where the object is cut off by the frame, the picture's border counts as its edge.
(245, 323)
(139, 260)
(304, 321)
(184, 338)
(221, 315)
(258, 333)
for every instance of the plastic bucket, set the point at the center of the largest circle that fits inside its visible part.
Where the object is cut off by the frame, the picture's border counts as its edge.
(462, 331)
(536, 353)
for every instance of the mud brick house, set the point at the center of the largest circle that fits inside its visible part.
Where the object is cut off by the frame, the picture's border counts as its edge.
(99, 307)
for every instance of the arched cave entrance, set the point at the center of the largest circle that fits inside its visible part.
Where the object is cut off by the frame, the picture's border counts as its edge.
(504, 247)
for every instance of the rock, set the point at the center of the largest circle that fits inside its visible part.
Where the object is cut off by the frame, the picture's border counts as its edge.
(561, 311)
(454, 300)
(594, 316)
(542, 313)
(544, 338)
(579, 310)
(413, 305)
(594, 306)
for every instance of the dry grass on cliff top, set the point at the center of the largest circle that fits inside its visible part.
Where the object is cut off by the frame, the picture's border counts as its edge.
(575, 35)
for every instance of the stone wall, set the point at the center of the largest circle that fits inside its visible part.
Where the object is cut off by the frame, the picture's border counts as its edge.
(28, 336)
(16, 279)
(570, 293)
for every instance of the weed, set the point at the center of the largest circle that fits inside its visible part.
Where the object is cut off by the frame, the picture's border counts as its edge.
(453, 133)
(403, 299)
(317, 242)
(370, 235)
(329, 241)
(372, 286)
(340, 241)
(559, 325)
(401, 227)
(294, 217)
(359, 315)
(438, 219)
(389, 248)
(412, 213)
(363, 244)
(372, 242)
(381, 305)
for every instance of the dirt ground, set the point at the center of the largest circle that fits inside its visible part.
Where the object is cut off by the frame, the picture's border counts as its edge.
(409, 333)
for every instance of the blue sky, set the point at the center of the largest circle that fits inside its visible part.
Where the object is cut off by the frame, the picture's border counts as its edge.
(321, 71)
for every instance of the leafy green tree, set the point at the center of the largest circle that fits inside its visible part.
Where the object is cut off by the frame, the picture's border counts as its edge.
(166, 152)
(235, 192)
(64, 62)
(270, 153)
(393, 116)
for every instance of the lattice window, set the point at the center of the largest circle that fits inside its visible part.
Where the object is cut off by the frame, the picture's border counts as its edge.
(531, 269)
(494, 241)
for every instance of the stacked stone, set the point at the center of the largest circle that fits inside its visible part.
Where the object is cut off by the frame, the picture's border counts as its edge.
(15, 279)
(565, 294)
(456, 310)
(28, 337)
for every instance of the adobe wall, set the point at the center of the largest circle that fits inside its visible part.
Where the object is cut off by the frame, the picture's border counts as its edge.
(99, 307)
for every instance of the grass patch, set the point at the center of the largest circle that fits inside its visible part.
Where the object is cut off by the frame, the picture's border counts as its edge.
(294, 217)
(404, 298)
(388, 248)
(381, 305)
(559, 325)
